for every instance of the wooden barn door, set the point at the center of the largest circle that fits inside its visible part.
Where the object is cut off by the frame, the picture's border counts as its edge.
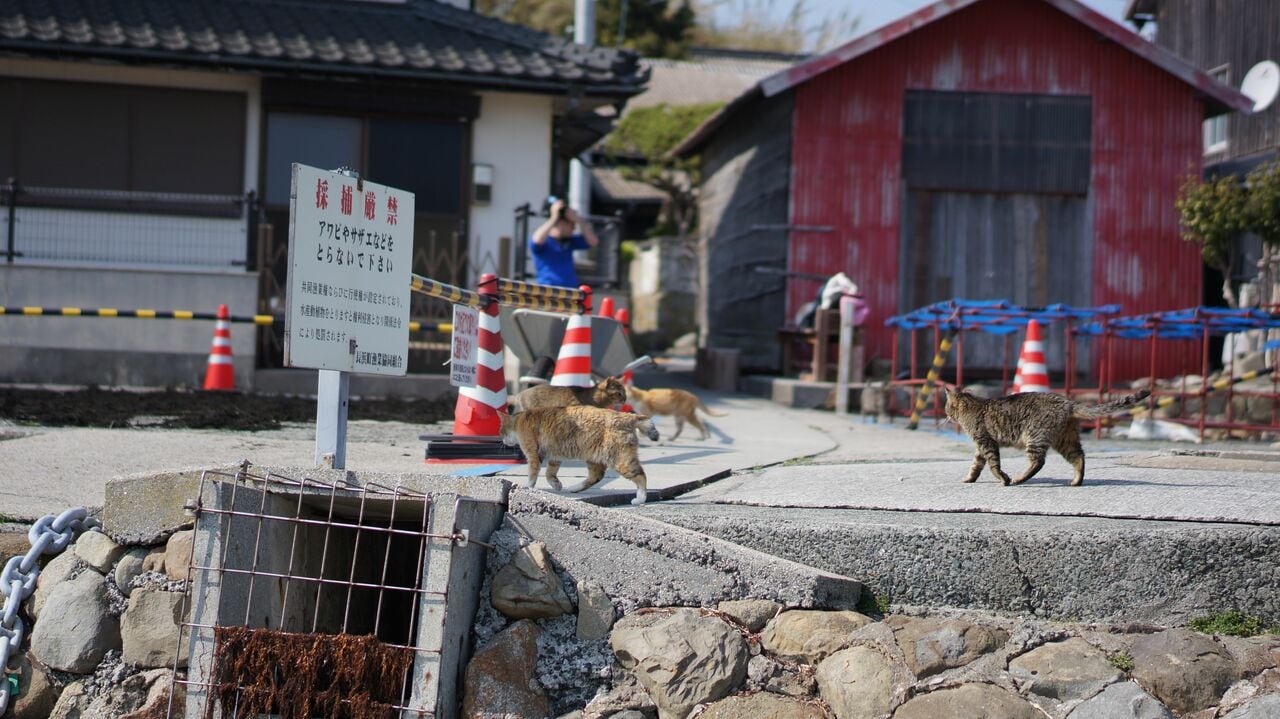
(1030, 249)
(996, 206)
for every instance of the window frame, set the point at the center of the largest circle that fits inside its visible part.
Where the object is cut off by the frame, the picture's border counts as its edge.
(1222, 74)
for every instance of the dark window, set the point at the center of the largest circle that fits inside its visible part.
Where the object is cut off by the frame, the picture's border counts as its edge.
(188, 141)
(8, 129)
(123, 137)
(324, 141)
(422, 157)
(989, 142)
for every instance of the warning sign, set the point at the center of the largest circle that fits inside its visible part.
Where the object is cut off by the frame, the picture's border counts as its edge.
(466, 346)
(350, 250)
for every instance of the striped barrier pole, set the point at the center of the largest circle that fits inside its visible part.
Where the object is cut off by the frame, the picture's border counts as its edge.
(939, 359)
(456, 295)
(147, 314)
(1216, 386)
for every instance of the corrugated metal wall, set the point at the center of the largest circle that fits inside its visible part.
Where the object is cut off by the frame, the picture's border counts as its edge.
(743, 206)
(847, 150)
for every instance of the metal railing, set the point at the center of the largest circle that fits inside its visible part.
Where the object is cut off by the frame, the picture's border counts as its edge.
(75, 226)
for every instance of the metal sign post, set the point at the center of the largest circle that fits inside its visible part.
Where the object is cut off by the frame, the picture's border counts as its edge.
(347, 298)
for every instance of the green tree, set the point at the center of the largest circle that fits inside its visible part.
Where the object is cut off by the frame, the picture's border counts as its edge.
(1215, 213)
(649, 134)
(753, 25)
(653, 28)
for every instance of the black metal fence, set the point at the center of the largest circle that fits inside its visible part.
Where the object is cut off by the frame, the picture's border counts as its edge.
(54, 225)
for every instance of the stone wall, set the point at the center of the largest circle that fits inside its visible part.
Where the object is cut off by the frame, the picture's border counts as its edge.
(553, 646)
(104, 623)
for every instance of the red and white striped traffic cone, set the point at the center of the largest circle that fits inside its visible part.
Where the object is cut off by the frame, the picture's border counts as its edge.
(220, 372)
(478, 408)
(573, 364)
(1033, 373)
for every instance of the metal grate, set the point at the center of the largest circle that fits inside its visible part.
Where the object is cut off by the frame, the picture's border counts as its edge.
(310, 578)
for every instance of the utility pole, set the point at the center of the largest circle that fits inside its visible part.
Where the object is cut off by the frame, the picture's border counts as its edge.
(584, 33)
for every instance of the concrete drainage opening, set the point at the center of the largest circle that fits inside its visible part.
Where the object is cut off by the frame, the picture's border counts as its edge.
(311, 598)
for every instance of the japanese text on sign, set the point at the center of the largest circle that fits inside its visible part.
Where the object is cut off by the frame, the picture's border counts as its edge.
(350, 248)
(466, 339)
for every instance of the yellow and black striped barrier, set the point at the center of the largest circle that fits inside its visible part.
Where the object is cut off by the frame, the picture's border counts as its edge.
(456, 295)
(541, 303)
(142, 314)
(939, 359)
(527, 289)
(146, 314)
(1216, 386)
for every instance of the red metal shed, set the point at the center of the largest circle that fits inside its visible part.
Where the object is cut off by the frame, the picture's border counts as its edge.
(1028, 149)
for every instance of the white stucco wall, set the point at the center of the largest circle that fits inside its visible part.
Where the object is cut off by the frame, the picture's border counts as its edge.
(512, 133)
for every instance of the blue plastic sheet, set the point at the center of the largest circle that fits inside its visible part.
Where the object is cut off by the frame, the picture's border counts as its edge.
(1187, 324)
(997, 317)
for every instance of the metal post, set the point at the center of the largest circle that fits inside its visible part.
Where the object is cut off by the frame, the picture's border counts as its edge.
(845, 357)
(11, 189)
(332, 396)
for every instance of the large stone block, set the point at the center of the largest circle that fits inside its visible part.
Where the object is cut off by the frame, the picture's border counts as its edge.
(1186, 670)
(857, 682)
(501, 678)
(683, 658)
(77, 629)
(97, 550)
(811, 635)
(144, 509)
(149, 629)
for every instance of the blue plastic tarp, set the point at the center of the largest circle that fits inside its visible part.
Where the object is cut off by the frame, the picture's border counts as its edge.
(998, 317)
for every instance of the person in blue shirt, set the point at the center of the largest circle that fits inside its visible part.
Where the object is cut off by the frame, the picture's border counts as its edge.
(553, 244)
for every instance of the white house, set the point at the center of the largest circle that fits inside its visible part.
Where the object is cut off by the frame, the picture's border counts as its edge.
(149, 144)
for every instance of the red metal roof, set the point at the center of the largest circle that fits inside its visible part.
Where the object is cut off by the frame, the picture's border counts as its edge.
(1218, 98)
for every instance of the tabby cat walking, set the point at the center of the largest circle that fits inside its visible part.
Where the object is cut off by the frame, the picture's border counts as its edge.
(1033, 421)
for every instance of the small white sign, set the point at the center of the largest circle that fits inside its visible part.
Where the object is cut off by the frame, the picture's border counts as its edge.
(466, 346)
(350, 251)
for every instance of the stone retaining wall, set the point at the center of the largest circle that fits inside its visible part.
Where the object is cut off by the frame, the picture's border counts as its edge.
(551, 646)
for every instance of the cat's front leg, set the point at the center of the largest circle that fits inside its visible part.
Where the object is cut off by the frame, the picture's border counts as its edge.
(534, 466)
(553, 466)
(979, 463)
(991, 451)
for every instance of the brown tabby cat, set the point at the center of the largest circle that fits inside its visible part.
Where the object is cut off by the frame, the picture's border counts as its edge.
(601, 437)
(683, 405)
(606, 393)
(1034, 421)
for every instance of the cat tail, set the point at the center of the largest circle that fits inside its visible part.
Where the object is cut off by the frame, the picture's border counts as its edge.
(646, 425)
(709, 413)
(1094, 411)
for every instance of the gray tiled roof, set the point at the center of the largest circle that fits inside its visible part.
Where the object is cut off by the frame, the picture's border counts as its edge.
(416, 39)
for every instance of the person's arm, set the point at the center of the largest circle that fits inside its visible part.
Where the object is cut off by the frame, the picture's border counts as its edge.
(584, 225)
(544, 230)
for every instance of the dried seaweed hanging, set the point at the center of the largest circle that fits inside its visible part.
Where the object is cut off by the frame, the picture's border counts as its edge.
(299, 676)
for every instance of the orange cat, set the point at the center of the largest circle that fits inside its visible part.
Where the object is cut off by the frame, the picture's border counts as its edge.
(676, 402)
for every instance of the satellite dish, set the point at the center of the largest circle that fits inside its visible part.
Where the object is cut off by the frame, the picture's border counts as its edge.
(1262, 84)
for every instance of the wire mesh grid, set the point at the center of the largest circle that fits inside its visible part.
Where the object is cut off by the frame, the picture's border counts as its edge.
(131, 229)
(307, 596)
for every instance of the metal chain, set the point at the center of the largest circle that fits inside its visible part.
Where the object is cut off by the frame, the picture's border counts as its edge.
(49, 535)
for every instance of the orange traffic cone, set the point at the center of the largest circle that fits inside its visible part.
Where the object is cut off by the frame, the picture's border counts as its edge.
(573, 364)
(606, 307)
(478, 407)
(1033, 374)
(220, 373)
